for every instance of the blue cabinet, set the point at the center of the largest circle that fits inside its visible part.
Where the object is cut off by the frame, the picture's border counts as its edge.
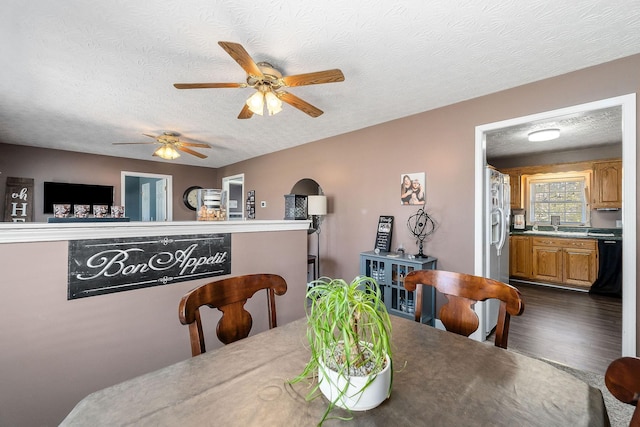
(389, 270)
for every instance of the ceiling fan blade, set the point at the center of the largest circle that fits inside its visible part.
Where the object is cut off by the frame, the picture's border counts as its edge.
(328, 76)
(207, 85)
(193, 144)
(245, 113)
(193, 153)
(131, 143)
(237, 52)
(150, 136)
(298, 103)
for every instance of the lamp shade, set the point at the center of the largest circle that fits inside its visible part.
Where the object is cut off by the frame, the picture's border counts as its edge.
(317, 205)
(167, 152)
(274, 105)
(256, 103)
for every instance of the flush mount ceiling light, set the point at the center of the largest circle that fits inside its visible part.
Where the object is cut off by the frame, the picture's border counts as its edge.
(544, 135)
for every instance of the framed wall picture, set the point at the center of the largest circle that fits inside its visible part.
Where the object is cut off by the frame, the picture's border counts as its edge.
(251, 204)
(412, 188)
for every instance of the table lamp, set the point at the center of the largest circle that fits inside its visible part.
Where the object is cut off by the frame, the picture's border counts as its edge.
(317, 208)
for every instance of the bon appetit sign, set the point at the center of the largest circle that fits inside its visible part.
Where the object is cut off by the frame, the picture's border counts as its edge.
(102, 266)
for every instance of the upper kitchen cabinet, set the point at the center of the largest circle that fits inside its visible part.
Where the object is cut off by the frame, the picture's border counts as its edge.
(515, 176)
(607, 185)
(514, 180)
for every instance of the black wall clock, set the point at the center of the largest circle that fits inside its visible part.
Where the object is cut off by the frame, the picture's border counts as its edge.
(190, 197)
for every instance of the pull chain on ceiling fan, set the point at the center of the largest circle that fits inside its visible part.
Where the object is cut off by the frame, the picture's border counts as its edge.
(170, 145)
(268, 83)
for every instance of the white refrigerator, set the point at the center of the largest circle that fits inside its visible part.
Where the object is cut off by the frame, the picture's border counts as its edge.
(497, 214)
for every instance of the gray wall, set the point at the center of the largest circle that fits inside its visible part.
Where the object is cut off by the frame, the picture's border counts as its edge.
(360, 171)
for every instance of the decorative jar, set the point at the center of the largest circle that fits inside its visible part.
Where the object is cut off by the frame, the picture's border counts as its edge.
(211, 205)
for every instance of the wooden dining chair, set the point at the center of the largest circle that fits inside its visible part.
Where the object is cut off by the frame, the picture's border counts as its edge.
(462, 291)
(622, 378)
(229, 296)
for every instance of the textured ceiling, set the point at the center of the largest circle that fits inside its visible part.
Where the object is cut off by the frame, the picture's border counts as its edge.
(79, 75)
(586, 129)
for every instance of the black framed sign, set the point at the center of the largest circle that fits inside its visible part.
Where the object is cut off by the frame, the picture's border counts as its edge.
(385, 230)
(18, 204)
(103, 266)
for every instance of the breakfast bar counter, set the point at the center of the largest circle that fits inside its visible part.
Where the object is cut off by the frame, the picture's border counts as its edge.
(48, 232)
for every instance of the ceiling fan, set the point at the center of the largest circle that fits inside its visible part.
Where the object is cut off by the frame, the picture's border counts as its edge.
(170, 144)
(269, 84)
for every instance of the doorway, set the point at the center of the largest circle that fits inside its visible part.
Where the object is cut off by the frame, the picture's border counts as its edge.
(146, 197)
(628, 105)
(234, 188)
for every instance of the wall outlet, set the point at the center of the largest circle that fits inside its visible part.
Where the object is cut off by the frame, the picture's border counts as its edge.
(263, 204)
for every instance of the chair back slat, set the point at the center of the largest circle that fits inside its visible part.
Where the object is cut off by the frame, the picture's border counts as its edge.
(462, 291)
(228, 295)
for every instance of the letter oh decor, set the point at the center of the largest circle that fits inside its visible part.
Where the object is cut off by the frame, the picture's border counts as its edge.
(103, 266)
(18, 205)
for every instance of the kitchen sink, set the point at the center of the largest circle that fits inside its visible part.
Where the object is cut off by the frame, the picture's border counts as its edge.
(559, 233)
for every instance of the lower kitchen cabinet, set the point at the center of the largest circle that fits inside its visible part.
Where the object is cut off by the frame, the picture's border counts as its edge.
(520, 257)
(389, 271)
(546, 264)
(564, 261)
(580, 266)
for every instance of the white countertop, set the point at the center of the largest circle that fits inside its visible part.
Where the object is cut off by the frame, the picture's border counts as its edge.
(47, 232)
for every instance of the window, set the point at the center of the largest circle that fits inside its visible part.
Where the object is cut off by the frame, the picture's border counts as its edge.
(561, 194)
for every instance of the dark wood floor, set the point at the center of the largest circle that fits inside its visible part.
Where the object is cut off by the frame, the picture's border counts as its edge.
(573, 328)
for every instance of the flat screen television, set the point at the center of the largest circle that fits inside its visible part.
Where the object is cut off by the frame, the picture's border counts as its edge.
(76, 194)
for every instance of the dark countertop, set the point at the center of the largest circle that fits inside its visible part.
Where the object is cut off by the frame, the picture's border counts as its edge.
(592, 233)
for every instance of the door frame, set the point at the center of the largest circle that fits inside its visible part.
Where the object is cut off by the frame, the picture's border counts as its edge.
(628, 105)
(168, 191)
(226, 181)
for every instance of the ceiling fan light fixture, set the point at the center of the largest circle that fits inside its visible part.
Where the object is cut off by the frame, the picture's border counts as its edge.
(274, 105)
(167, 152)
(256, 103)
(544, 135)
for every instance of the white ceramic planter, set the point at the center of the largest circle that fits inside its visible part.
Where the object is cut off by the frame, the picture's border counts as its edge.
(355, 398)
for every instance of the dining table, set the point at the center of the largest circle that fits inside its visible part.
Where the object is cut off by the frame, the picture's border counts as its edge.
(439, 379)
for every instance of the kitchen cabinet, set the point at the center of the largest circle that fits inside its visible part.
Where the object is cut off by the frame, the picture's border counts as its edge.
(514, 180)
(389, 271)
(515, 176)
(607, 185)
(564, 261)
(520, 257)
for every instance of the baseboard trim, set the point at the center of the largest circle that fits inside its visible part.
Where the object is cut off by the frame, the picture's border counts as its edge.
(548, 285)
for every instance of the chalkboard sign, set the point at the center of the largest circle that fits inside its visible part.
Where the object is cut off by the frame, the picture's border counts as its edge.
(103, 266)
(18, 205)
(383, 236)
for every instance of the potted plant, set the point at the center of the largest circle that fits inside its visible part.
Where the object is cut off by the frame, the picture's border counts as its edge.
(349, 333)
